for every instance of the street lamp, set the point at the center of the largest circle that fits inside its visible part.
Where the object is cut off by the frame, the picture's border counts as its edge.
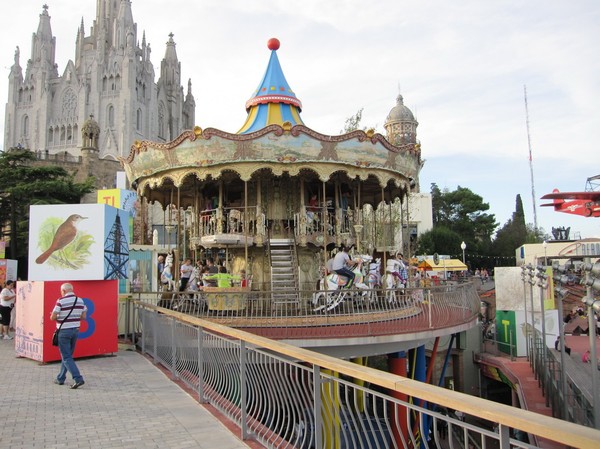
(543, 285)
(562, 292)
(593, 304)
(545, 245)
(525, 280)
(463, 246)
(533, 353)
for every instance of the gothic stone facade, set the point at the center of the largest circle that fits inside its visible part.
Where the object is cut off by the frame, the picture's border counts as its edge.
(111, 78)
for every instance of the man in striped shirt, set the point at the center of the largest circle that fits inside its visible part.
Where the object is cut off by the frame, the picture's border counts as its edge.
(67, 336)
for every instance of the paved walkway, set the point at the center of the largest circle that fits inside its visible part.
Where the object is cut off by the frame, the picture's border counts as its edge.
(126, 402)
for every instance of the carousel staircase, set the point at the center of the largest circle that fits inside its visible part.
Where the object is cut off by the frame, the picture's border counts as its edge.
(284, 275)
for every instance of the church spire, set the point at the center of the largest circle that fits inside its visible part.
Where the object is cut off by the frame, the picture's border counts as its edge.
(124, 27)
(170, 67)
(79, 44)
(189, 108)
(44, 44)
(189, 90)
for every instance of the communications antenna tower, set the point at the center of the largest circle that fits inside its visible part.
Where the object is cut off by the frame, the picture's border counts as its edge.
(535, 222)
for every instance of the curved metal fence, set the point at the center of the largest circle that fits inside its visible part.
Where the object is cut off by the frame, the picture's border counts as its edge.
(357, 313)
(289, 397)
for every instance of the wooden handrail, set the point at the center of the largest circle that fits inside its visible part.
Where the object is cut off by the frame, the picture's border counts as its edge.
(567, 433)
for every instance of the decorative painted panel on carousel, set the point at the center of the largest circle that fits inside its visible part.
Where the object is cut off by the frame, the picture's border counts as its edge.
(211, 147)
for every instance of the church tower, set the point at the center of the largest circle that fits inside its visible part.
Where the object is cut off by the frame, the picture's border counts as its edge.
(110, 78)
(401, 130)
(400, 125)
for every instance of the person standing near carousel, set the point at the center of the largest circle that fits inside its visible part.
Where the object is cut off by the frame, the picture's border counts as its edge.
(185, 271)
(68, 313)
(7, 302)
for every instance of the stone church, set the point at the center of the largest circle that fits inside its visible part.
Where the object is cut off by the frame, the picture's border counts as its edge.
(111, 80)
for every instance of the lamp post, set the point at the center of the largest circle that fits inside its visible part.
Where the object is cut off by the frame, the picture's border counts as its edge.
(543, 285)
(592, 284)
(545, 245)
(533, 352)
(527, 330)
(593, 305)
(560, 294)
(463, 246)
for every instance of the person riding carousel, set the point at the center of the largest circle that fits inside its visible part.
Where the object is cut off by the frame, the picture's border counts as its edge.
(395, 266)
(341, 264)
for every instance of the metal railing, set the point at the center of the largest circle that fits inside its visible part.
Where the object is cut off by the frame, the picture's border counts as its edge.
(359, 313)
(546, 367)
(289, 397)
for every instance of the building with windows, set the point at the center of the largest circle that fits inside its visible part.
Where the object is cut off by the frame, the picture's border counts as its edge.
(111, 79)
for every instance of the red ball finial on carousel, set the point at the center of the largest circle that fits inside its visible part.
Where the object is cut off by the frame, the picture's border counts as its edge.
(273, 43)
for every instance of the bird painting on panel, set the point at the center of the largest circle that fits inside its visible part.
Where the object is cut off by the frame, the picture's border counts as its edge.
(64, 235)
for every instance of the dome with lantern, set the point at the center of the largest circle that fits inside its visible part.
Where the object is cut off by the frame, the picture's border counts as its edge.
(401, 125)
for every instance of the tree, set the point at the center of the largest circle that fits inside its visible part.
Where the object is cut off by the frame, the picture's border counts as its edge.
(353, 123)
(463, 212)
(513, 234)
(23, 183)
(440, 240)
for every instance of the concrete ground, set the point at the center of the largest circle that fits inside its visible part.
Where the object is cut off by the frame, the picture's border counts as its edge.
(126, 402)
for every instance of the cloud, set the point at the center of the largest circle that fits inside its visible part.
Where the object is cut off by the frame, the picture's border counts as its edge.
(461, 68)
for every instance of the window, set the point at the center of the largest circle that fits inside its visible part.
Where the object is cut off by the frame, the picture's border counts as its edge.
(161, 120)
(138, 121)
(111, 116)
(26, 125)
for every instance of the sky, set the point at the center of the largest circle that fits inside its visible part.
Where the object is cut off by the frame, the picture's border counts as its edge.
(462, 68)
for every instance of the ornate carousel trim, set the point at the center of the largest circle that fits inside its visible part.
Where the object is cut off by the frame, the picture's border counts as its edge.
(192, 135)
(246, 169)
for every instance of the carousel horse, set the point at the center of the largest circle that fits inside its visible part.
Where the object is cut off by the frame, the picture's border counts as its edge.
(393, 286)
(192, 285)
(191, 300)
(333, 288)
(166, 277)
(374, 278)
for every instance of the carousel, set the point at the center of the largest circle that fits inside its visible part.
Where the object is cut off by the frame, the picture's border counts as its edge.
(275, 198)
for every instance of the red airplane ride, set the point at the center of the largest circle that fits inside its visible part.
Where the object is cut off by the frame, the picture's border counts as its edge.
(585, 203)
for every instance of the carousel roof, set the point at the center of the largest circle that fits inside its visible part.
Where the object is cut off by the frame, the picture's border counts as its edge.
(274, 140)
(273, 102)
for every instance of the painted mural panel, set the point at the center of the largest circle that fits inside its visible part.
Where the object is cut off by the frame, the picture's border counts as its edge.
(509, 289)
(511, 293)
(8, 270)
(35, 301)
(512, 328)
(78, 242)
(120, 198)
(511, 332)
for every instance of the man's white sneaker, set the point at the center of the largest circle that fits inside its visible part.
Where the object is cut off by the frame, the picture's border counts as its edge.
(7, 337)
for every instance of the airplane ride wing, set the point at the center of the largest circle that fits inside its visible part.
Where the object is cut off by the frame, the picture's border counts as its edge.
(589, 196)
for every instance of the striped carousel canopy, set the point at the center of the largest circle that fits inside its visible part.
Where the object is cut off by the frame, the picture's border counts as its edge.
(274, 102)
